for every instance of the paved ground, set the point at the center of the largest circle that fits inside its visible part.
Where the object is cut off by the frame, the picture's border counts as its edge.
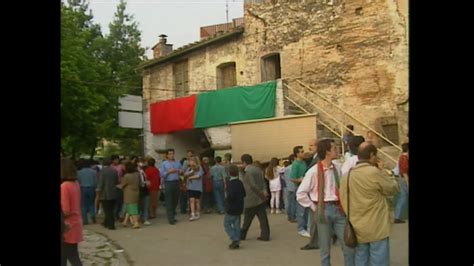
(204, 242)
(97, 249)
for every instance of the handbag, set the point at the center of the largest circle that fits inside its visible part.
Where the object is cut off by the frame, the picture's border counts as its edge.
(350, 238)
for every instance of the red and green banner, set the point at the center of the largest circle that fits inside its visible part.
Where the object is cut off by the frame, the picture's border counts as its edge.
(214, 108)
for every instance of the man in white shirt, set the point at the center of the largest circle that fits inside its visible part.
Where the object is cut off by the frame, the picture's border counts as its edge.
(319, 191)
(352, 160)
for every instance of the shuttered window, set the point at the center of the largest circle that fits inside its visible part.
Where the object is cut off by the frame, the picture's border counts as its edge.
(181, 81)
(270, 67)
(226, 76)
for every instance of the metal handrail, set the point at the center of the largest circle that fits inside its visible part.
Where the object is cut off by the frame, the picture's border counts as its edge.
(348, 114)
(297, 105)
(330, 116)
(306, 111)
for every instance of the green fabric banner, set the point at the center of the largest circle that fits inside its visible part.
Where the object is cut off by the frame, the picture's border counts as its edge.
(220, 107)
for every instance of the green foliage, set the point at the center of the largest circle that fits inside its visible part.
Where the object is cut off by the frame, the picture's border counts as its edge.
(124, 53)
(95, 71)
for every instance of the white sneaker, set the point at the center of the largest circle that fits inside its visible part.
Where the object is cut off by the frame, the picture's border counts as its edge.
(146, 223)
(278, 211)
(304, 233)
(192, 218)
(272, 211)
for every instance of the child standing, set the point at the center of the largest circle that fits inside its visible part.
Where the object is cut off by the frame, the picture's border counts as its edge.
(234, 206)
(273, 177)
(194, 175)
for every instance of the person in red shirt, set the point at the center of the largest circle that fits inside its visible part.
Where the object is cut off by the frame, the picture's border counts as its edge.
(403, 162)
(71, 208)
(153, 175)
(207, 196)
(403, 197)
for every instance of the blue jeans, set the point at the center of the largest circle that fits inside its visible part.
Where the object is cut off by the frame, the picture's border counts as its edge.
(302, 217)
(374, 253)
(402, 199)
(145, 207)
(284, 198)
(291, 211)
(87, 203)
(335, 222)
(232, 226)
(218, 190)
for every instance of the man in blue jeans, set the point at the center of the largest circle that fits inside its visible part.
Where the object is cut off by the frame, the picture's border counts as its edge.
(364, 192)
(298, 169)
(401, 170)
(218, 175)
(290, 191)
(319, 191)
(87, 178)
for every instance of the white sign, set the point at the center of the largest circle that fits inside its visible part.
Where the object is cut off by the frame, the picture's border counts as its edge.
(131, 103)
(130, 120)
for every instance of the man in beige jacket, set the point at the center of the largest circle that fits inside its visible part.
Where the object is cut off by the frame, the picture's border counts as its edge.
(369, 187)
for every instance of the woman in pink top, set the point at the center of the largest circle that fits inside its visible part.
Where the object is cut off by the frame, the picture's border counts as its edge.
(71, 207)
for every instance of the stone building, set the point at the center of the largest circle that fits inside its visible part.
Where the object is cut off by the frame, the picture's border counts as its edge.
(354, 53)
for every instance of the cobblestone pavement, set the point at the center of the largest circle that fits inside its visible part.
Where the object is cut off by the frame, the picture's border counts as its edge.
(96, 249)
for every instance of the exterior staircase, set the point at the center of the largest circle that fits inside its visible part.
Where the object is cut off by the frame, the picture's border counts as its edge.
(296, 99)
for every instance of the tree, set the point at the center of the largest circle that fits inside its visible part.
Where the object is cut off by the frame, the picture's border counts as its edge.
(95, 71)
(84, 99)
(124, 53)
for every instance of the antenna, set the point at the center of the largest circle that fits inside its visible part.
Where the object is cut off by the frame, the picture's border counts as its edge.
(227, 10)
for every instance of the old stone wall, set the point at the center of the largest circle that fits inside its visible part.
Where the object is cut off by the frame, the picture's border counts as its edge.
(159, 83)
(353, 52)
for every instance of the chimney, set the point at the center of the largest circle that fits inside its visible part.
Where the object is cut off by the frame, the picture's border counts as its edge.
(162, 48)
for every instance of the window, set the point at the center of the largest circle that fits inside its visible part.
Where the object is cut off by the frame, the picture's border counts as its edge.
(391, 133)
(226, 75)
(270, 67)
(180, 75)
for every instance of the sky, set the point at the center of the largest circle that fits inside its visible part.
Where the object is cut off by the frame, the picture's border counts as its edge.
(179, 19)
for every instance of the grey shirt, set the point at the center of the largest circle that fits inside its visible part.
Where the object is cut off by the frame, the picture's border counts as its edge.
(290, 186)
(107, 181)
(195, 184)
(218, 172)
(254, 185)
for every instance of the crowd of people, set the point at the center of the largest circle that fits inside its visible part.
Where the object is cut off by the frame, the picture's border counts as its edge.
(311, 187)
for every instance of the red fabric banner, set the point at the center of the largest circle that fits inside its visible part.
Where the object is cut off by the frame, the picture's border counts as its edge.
(172, 115)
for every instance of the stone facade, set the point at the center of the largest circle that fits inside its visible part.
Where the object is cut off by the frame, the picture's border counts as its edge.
(353, 52)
